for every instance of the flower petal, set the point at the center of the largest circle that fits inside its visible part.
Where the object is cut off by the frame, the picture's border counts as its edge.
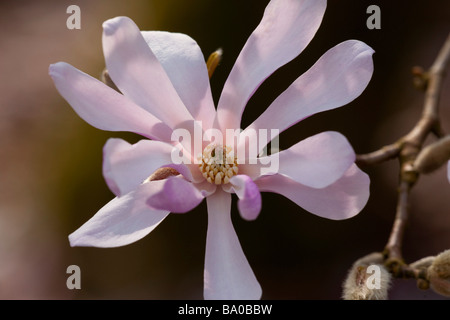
(249, 203)
(336, 79)
(284, 31)
(138, 74)
(341, 200)
(122, 221)
(103, 107)
(228, 275)
(316, 162)
(183, 61)
(205, 188)
(126, 166)
(177, 195)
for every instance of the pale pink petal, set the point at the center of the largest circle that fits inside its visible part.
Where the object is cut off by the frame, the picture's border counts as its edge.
(336, 79)
(284, 31)
(177, 195)
(138, 74)
(249, 203)
(206, 189)
(190, 139)
(103, 107)
(197, 175)
(126, 166)
(122, 221)
(316, 162)
(185, 65)
(341, 200)
(228, 275)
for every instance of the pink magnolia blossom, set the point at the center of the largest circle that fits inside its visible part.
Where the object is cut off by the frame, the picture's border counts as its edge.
(164, 86)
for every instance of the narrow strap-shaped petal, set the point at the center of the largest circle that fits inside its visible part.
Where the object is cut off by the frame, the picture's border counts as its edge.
(336, 79)
(103, 107)
(138, 74)
(316, 162)
(184, 63)
(177, 195)
(284, 31)
(126, 166)
(250, 202)
(120, 222)
(228, 275)
(341, 200)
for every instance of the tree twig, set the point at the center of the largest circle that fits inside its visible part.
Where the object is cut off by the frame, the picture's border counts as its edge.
(429, 121)
(411, 146)
(393, 249)
(406, 149)
(386, 153)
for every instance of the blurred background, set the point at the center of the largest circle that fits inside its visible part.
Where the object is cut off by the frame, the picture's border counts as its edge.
(50, 172)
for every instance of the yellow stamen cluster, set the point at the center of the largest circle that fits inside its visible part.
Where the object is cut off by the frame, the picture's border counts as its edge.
(218, 164)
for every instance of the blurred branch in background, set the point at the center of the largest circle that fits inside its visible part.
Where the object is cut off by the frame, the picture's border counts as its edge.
(414, 160)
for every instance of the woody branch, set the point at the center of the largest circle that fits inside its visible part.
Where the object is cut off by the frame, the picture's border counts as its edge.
(407, 149)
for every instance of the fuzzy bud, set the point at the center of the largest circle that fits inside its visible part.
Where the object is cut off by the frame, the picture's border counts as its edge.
(433, 156)
(422, 266)
(439, 274)
(423, 263)
(368, 279)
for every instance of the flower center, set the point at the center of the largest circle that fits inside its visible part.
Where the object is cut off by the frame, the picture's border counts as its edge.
(218, 163)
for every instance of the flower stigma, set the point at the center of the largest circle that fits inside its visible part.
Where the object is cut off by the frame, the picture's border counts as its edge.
(218, 163)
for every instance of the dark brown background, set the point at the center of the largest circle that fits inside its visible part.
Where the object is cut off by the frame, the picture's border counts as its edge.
(50, 160)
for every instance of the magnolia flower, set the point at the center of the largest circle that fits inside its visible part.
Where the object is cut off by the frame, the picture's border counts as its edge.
(165, 89)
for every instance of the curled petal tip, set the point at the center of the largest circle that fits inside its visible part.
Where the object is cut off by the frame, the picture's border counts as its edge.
(72, 241)
(52, 68)
(110, 26)
(250, 202)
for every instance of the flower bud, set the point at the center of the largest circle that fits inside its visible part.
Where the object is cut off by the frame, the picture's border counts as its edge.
(368, 279)
(213, 61)
(433, 156)
(439, 274)
(423, 263)
(420, 78)
(162, 173)
(106, 79)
